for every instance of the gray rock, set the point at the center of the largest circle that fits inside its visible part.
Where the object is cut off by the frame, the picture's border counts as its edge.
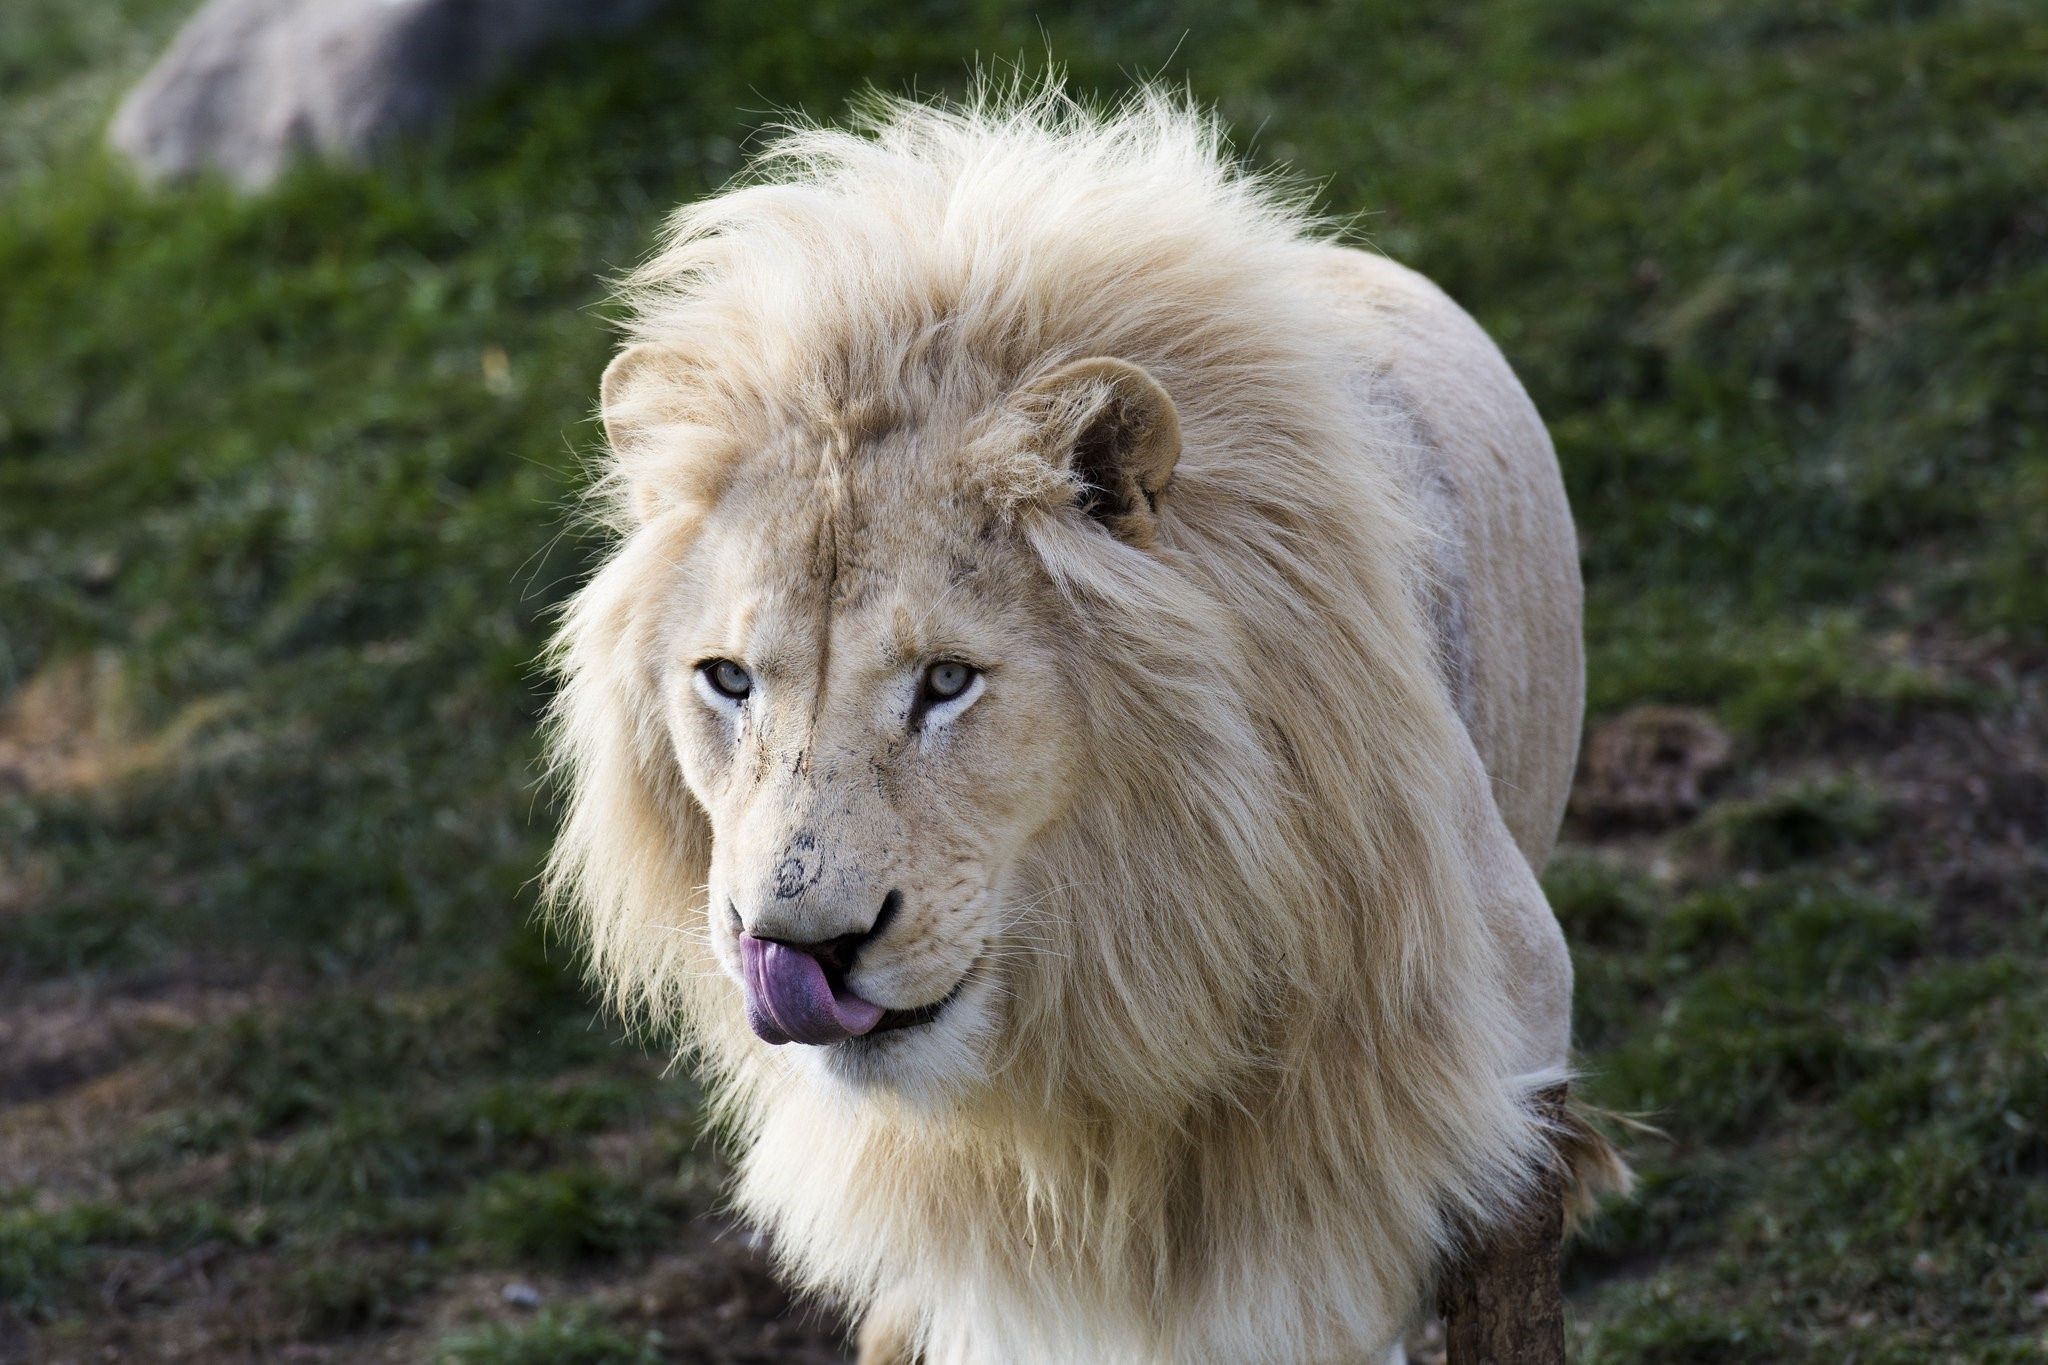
(248, 86)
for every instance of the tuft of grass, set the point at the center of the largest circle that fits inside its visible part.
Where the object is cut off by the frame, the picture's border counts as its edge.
(40, 1251)
(1778, 682)
(49, 1253)
(1795, 825)
(343, 1290)
(560, 1216)
(1598, 902)
(552, 1338)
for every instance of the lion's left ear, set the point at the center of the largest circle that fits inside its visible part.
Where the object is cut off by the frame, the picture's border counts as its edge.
(652, 401)
(1108, 423)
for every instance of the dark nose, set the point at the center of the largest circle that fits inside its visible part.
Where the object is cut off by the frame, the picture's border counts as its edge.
(836, 954)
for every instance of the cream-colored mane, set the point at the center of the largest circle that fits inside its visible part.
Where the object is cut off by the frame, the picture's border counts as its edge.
(1254, 1146)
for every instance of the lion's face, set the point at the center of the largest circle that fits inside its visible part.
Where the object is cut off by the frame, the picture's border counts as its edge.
(859, 663)
(865, 705)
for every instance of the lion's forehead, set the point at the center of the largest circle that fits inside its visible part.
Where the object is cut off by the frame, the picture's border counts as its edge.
(886, 560)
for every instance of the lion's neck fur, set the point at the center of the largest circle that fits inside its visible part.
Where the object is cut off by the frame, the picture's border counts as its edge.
(1254, 1147)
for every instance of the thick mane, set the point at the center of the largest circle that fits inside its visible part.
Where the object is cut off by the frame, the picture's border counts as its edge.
(1275, 755)
(937, 257)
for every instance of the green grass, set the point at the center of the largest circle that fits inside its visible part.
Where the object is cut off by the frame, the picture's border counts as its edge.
(281, 518)
(551, 1339)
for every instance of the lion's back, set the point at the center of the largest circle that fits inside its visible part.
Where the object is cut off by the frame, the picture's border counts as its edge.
(1507, 595)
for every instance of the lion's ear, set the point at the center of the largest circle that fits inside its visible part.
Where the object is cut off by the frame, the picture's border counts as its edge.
(1109, 424)
(649, 398)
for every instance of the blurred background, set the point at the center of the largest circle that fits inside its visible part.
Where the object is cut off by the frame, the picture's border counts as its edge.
(288, 1071)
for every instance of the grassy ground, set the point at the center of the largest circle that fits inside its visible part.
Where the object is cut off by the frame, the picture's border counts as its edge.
(285, 1070)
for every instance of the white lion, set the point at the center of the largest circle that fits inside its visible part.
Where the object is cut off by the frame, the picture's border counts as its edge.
(1087, 672)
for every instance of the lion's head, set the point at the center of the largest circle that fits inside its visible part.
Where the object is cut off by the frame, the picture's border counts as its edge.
(862, 670)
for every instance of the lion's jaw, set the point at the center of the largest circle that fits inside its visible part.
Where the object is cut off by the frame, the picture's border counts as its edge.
(846, 807)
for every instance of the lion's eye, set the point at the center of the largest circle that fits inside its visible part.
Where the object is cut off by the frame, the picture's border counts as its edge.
(945, 681)
(727, 678)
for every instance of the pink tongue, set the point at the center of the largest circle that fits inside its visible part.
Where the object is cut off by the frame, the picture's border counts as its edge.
(790, 1001)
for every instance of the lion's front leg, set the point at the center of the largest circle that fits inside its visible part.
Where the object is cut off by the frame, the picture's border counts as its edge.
(888, 1334)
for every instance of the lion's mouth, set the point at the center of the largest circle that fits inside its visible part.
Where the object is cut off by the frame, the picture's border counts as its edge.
(795, 996)
(892, 1020)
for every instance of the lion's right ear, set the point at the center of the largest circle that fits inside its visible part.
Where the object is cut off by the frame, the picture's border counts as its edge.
(1109, 425)
(652, 399)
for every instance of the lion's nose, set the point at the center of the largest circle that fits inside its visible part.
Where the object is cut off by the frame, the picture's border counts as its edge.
(797, 926)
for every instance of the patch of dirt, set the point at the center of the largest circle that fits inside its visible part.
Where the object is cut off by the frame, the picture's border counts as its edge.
(713, 1301)
(71, 728)
(75, 1065)
(719, 1301)
(1968, 798)
(209, 1303)
(60, 731)
(1649, 768)
(59, 1034)
(56, 1148)
(1963, 794)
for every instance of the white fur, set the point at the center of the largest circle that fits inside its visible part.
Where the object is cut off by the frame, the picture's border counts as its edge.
(1257, 991)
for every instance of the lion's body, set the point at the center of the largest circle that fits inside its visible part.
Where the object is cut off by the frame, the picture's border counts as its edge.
(1488, 476)
(1506, 599)
(1264, 986)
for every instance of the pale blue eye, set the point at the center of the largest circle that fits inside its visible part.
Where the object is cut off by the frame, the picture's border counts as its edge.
(947, 680)
(728, 679)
